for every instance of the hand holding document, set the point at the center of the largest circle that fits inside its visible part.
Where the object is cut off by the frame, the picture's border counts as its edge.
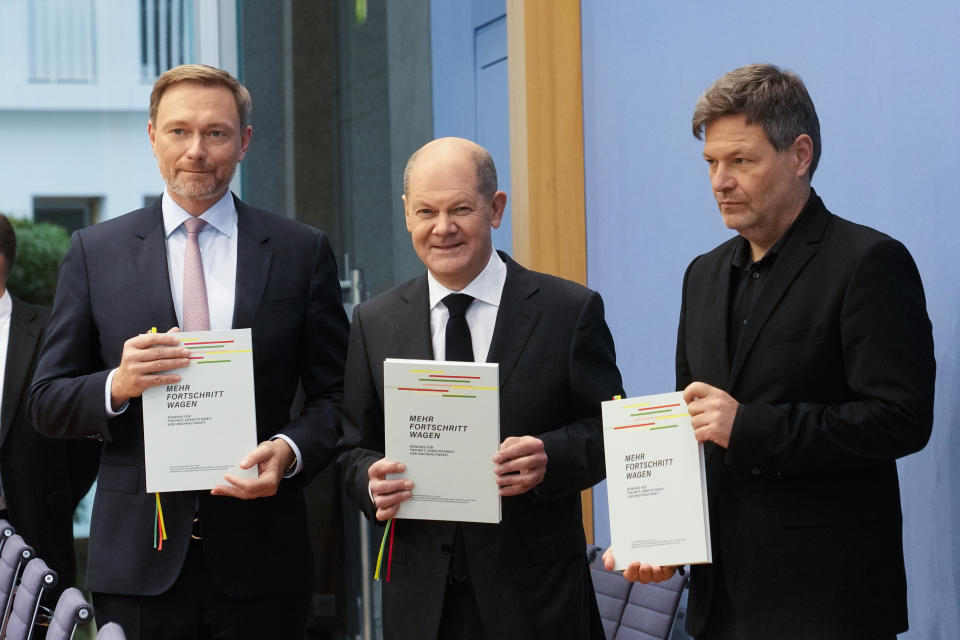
(442, 421)
(656, 482)
(199, 429)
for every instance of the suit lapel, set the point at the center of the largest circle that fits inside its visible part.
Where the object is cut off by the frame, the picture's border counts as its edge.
(25, 330)
(254, 254)
(412, 321)
(150, 257)
(800, 247)
(516, 319)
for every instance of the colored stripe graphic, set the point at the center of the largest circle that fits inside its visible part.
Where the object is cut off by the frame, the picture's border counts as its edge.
(214, 361)
(633, 426)
(643, 408)
(211, 342)
(441, 375)
(666, 426)
(416, 389)
(649, 413)
(456, 395)
(215, 346)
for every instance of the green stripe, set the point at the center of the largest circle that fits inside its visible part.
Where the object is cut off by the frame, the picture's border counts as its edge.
(213, 361)
(666, 426)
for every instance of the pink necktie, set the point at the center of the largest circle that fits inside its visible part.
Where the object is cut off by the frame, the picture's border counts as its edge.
(196, 312)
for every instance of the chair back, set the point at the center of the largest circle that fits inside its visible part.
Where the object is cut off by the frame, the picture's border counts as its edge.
(13, 558)
(72, 611)
(631, 610)
(6, 530)
(111, 631)
(37, 579)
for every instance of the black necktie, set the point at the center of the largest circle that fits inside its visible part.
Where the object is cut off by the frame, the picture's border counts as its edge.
(459, 347)
(458, 344)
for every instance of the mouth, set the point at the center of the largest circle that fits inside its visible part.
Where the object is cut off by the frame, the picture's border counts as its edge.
(447, 247)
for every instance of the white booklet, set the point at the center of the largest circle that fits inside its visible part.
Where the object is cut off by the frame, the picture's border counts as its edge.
(442, 420)
(197, 430)
(656, 482)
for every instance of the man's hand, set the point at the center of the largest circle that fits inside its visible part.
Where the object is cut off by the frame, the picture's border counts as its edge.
(521, 465)
(712, 412)
(639, 571)
(388, 494)
(272, 458)
(141, 363)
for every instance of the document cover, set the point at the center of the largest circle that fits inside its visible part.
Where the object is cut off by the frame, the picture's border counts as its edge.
(656, 482)
(200, 428)
(442, 420)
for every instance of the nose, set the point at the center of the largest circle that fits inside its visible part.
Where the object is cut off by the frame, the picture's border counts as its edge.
(721, 178)
(196, 150)
(446, 224)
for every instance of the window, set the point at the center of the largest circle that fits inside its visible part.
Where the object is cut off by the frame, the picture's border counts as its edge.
(166, 35)
(71, 213)
(62, 41)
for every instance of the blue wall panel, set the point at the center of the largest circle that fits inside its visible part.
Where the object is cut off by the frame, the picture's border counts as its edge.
(885, 82)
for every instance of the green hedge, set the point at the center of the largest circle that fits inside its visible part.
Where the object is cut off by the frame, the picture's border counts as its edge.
(40, 248)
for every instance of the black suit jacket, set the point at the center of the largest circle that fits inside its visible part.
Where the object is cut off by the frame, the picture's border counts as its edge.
(43, 479)
(557, 364)
(114, 285)
(835, 376)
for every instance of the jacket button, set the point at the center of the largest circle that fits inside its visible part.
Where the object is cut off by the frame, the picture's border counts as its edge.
(446, 548)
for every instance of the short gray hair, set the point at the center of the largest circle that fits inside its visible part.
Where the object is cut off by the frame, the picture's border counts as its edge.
(776, 100)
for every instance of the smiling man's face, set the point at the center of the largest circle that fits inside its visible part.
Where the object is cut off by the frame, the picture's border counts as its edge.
(449, 220)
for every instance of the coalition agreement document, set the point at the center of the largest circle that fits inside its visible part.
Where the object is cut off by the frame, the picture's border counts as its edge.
(656, 482)
(442, 420)
(197, 430)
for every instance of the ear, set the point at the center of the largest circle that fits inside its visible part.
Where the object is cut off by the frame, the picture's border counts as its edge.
(152, 133)
(406, 212)
(498, 205)
(802, 150)
(245, 141)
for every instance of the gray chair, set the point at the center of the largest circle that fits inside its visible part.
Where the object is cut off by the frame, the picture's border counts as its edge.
(27, 610)
(71, 612)
(631, 610)
(111, 631)
(13, 558)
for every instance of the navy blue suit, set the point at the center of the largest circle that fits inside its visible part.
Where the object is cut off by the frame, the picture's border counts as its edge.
(114, 284)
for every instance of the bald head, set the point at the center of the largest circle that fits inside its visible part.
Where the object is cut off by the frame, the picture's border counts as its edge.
(446, 151)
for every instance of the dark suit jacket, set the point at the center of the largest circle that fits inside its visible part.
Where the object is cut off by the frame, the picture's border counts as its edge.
(114, 285)
(835, 376)
(43, 479)
(557, 364)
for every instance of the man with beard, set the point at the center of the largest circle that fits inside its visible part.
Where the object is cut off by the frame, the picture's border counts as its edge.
(237, 559)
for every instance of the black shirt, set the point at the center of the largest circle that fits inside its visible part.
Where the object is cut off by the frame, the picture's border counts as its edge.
(747, 278)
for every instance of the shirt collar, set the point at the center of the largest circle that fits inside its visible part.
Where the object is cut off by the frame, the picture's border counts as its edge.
(6, 305)
(222, 216)
(486, 287)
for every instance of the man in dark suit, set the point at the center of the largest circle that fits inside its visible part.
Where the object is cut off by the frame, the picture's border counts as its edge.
(806, 356)
(237, 559)
(41, 480)
(526, 577)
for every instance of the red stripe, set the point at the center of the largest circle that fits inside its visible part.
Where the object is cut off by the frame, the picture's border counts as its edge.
(663, 406)
(630, 426)
(393, 527)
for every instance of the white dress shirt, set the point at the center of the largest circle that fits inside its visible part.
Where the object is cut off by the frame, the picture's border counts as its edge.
(486, 290)
(6, 308)
(218, 251)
